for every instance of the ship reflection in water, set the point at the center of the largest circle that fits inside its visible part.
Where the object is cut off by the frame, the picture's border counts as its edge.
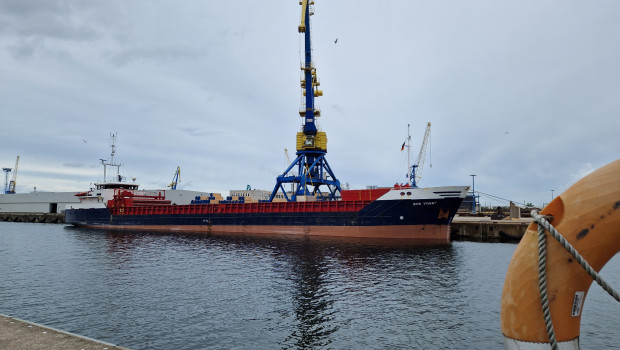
(192, 291)
(350, 288)
(312, 302)
(326, 292)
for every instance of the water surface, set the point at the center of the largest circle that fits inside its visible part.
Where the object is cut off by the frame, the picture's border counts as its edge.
(184, 291)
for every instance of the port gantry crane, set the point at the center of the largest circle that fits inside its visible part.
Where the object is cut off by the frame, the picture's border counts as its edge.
(314, 179)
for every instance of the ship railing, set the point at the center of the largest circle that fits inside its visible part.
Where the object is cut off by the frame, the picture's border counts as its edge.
(155, 194)
(244, 208)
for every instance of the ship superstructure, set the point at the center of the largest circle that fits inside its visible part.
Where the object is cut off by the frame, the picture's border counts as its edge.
(113, 183)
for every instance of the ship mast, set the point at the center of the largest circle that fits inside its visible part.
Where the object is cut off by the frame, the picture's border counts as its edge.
(314, 179)
(111, 163)
(411, 175)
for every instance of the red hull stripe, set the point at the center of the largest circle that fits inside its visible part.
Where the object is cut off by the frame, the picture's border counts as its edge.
(430, 233)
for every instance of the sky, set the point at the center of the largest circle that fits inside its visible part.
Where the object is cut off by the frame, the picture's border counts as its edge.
(523, 94)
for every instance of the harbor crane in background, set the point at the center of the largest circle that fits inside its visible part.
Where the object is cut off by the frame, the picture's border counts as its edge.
(314, 179)
(175, 179)
(288, 159)
(7, 171)
(10, 188)
(416, 169)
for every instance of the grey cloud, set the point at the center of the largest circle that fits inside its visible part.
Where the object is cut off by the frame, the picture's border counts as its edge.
(73, 165)
(44, 26)
(22, 50)
(337, 108)
(194, 131)
(27, 7)
(45, 19)
(126, 56)
(57, 28)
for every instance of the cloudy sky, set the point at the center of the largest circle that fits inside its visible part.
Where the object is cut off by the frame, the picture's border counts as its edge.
(524, 94)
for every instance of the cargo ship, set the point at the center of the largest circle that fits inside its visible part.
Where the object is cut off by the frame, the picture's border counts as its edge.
(403, 211)
(316, 205)
(397, 212)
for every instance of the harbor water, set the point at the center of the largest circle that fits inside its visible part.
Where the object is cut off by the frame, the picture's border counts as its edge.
(146, 290)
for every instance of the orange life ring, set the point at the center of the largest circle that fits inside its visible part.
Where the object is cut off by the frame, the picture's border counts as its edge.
(588, 216)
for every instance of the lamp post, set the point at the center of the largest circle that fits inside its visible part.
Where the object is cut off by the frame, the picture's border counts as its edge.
(552, 194)
(473, 191)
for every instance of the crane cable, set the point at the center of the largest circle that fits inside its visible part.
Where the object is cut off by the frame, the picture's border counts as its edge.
(430, 149)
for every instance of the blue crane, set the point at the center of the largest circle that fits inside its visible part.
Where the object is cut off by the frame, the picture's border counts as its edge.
(7, 171)
(310, 174)
(175, 179)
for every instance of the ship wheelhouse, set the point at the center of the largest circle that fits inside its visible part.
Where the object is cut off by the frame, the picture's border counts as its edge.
(115, 185)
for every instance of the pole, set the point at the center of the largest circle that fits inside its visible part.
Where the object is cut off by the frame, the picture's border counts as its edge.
(410, 172)
(473, 191)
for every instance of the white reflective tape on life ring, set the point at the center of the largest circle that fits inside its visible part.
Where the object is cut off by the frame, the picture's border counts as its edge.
(513, 344)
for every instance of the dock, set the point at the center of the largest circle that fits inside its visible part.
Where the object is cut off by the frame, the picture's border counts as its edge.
(16, 334)
(33, 217)
(485, 228)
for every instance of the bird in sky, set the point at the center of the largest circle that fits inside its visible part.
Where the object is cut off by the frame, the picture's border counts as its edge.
(336, 41)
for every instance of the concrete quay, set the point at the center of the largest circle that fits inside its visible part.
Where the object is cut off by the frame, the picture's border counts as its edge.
(33, 217)
(485, 228)
(16, 334)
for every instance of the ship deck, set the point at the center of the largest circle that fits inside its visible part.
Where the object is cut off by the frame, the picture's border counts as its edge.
(242, 208)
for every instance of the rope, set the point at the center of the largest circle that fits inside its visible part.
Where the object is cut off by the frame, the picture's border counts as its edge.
(542, 285)
(595, 276)
(543, 225)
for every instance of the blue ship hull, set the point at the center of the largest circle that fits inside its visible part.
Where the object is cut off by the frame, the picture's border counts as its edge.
(380, 218)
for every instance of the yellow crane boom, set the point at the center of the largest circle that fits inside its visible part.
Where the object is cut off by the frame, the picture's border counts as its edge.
(13, 182)
(422, 155)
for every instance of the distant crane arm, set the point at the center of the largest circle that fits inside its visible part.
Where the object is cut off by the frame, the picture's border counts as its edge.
(422, 155)
(175, 179)
(288, 159)
(13, 182)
